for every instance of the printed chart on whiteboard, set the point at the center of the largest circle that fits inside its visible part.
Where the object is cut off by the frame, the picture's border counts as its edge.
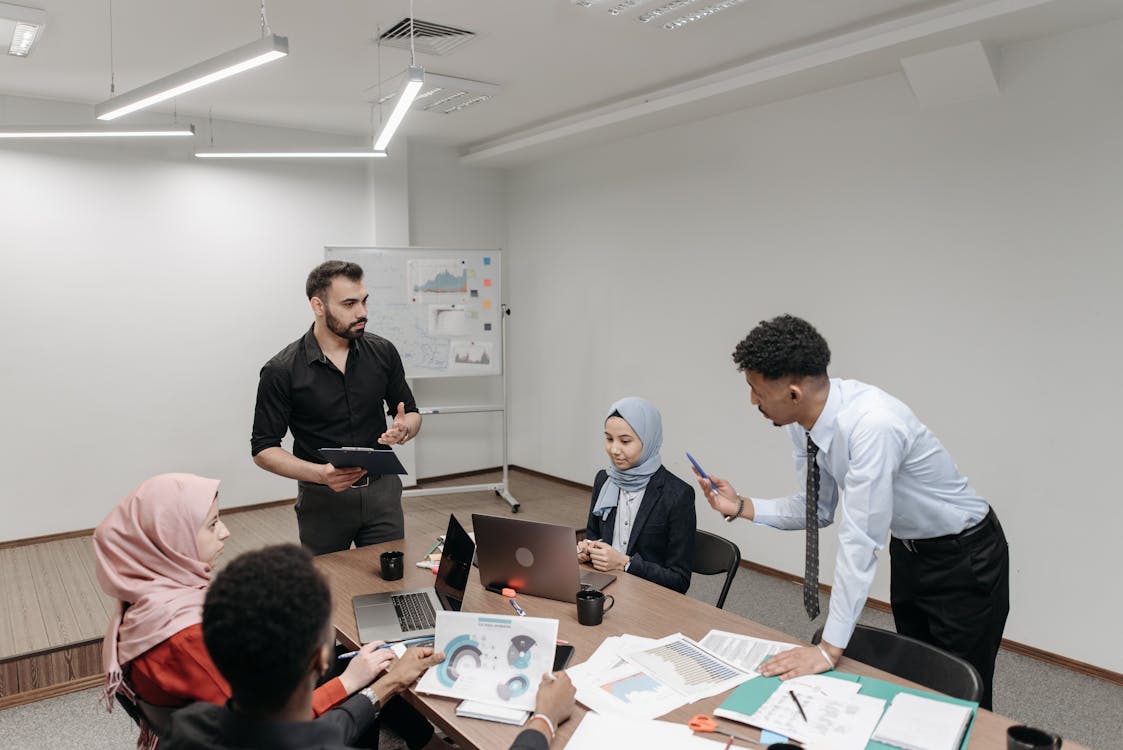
(440, 307)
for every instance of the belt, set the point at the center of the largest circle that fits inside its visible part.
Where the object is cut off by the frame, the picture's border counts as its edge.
(916, 546)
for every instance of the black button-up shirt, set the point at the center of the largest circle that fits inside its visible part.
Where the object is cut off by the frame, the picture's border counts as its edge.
(300, 389)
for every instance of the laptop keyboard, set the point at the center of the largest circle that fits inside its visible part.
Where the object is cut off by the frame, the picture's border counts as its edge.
(415, 611)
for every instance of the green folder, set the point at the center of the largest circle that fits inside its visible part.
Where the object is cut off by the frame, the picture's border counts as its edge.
(750, 696)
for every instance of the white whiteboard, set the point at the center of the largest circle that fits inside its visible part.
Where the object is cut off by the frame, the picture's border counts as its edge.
(439, 306)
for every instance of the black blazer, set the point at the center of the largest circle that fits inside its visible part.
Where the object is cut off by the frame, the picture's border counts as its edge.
(662, 540)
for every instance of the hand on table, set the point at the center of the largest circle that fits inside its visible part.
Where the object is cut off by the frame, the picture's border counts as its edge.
(370, 662)
(605, 557)
(340, 479)
(399, 430)
(799, 661)
(583, 551)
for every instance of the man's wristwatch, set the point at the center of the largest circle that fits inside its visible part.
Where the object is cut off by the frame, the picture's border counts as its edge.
(740, 510)
(370, 695)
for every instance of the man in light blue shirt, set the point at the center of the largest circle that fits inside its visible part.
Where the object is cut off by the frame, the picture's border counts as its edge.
(855, 443)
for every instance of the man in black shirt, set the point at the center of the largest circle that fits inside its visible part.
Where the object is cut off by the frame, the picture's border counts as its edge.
(329, 387)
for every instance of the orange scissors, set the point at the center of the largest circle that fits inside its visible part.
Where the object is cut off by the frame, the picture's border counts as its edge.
(703, 723)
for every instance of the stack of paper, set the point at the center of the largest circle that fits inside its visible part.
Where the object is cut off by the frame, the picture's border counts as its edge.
(916, 723)
(489, 712)
(742, 651)
(829, 714)
(598, 732)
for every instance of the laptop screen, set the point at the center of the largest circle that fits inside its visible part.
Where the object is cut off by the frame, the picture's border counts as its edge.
(456, 564)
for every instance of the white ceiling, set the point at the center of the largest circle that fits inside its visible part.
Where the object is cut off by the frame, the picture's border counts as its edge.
(567, 74)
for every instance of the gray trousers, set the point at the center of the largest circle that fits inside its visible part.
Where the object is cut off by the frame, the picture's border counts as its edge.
(330, 521)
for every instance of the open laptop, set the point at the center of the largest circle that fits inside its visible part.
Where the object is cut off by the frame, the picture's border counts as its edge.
(533, 558)
(398, 615)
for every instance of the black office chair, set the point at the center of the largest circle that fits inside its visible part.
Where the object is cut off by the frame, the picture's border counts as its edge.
(913, 660)
(713, 555)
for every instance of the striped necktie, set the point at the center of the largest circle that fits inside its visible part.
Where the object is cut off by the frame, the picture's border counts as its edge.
(811, 558)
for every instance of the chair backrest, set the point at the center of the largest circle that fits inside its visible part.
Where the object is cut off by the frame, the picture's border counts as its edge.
(714, 554)
(915, 660)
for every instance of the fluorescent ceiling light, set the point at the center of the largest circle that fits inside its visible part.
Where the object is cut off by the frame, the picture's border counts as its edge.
(83, 131)
(20, 27)
(415, 77)
(225, 65)
(314, 154)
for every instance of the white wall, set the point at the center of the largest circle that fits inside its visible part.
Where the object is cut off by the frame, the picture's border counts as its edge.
(965, 259)
(451, 205)
(142, 290)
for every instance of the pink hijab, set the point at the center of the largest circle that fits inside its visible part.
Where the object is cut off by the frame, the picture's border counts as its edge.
(147, 558)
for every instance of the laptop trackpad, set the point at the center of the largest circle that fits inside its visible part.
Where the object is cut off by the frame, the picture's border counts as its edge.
(591, 579)
(382, 616)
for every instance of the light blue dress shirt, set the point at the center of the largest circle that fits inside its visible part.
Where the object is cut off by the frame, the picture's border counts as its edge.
(894, 477)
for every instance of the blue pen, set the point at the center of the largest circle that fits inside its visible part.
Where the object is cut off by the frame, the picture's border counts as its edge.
(411, 641)
(517, 607)
(702, 471)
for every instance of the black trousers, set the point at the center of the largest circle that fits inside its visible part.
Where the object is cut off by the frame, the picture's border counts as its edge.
(330, 521)
(954, 592)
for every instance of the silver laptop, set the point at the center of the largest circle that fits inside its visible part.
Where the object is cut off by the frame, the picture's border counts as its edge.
(401, 615)
(533, 558)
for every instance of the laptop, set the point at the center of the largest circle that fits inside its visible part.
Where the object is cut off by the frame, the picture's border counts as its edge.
(533, 558)
(400, 615)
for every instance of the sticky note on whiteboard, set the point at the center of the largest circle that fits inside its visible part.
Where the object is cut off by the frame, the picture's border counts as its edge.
(487, 282)
(487, 304)
(487, 261)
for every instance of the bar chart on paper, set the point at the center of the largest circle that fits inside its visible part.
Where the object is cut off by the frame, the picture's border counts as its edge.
(687, 668)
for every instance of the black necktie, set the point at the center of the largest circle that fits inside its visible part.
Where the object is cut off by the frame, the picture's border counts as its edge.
(811, 559)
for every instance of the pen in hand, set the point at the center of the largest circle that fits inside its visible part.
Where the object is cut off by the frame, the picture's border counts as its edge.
(798, 705)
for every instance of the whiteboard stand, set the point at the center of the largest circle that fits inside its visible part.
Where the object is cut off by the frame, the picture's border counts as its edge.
(502, 488)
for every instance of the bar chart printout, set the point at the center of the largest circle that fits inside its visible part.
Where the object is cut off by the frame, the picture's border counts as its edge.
(687, 668)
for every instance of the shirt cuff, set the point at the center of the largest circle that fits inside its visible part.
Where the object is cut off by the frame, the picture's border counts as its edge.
(777, 513)
(837, 632)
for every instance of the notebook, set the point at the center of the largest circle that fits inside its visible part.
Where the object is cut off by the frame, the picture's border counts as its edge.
(915, 723)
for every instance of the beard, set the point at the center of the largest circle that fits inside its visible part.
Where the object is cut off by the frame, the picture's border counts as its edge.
(340, 329)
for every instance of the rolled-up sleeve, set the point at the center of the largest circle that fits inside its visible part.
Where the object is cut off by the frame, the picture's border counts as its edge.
(877, 445)
(274, 405)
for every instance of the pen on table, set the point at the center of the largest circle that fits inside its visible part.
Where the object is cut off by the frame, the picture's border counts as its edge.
(728, 743)
(517, 607)
(350, 654)
(434, 549)
(798, 705)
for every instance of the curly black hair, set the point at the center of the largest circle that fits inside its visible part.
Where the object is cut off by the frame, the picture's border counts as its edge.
(320, 277)
(265, 617)
(785, 345)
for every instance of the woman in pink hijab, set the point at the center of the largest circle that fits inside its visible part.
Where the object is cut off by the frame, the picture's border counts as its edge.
(155, 554)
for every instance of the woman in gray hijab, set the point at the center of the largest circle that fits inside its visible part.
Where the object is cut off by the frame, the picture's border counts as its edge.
(641, 518)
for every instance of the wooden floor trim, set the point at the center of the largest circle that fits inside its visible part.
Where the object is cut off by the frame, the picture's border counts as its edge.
(51, 691)
(1107, 675)
(552, 478)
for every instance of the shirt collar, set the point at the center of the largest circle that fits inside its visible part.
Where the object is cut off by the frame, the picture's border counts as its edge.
(313, 352)
(826, 426)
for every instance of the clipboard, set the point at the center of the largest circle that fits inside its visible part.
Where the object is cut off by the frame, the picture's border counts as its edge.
(375, 460)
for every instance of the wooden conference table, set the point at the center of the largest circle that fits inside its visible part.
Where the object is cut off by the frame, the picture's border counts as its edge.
(642, 608)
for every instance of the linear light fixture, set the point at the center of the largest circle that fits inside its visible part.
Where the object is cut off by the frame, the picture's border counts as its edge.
(84, 131)
(266, 49)
(313, 154)
(20, 27)
(415, 77)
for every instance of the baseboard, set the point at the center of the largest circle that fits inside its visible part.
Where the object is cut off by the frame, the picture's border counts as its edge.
(1107, 675)
(52, 691)
(552, 478)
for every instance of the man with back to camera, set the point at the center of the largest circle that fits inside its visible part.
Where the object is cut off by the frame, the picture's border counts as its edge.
(949, 560)
(328, 387)
(267, 625)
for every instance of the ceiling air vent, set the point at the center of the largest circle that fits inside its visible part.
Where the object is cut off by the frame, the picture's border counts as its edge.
(428, 37)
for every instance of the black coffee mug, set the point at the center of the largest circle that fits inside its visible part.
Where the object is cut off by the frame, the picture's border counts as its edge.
(1021, 737)
(590, 606)
(392, 569)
